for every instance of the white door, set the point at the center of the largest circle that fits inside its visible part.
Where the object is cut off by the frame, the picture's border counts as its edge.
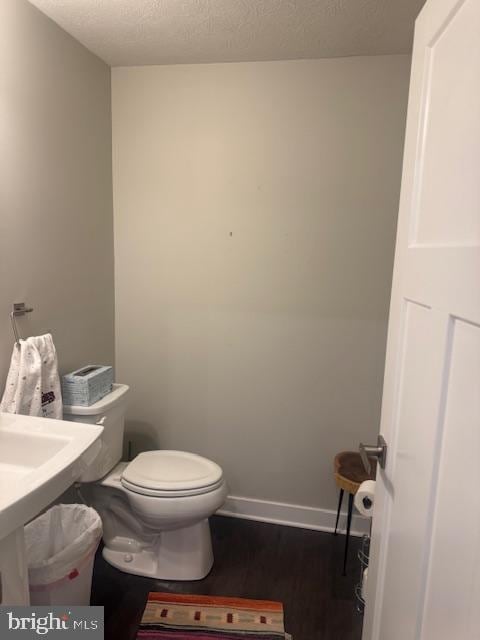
(424, 577)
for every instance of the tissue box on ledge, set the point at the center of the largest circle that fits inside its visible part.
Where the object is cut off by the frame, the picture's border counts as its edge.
(87, 385)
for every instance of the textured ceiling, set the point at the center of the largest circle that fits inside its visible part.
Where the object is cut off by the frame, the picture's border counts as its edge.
(139, 32)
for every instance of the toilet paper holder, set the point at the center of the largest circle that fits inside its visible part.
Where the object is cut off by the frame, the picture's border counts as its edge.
(378, 451)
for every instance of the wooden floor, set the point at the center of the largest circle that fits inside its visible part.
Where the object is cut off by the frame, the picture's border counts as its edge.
(300, 568)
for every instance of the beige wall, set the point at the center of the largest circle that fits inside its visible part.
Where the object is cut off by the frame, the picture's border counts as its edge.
(56, 245)
(255, 211)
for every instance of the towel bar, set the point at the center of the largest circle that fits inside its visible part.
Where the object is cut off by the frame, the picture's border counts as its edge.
(19, 309)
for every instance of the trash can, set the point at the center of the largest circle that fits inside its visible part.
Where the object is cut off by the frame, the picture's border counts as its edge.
(61, 546)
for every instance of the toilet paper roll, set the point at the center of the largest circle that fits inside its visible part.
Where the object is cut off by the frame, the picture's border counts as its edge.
(365, 498)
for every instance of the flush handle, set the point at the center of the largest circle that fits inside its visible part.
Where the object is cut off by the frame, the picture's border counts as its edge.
(378, 451)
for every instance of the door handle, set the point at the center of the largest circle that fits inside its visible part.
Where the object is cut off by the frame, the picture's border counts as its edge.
(378, 451)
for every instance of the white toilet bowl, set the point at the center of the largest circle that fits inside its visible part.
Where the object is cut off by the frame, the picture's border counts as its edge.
(154, 509)
(159, 528)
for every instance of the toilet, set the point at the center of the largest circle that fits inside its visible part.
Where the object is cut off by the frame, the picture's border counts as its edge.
(154, 509)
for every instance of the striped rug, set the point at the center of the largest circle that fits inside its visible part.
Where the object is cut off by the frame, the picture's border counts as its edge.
(188, 617)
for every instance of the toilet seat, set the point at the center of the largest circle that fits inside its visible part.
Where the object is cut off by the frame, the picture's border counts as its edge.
(166, 474)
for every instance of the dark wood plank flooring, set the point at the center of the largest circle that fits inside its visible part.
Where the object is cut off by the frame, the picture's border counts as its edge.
(298, 567)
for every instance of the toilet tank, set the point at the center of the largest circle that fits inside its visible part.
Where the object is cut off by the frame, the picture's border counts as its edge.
(111, 411)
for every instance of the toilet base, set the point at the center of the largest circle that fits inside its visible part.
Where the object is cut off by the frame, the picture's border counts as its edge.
(182, 554)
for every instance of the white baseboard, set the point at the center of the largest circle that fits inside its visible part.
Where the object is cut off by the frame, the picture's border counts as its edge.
(291, 515)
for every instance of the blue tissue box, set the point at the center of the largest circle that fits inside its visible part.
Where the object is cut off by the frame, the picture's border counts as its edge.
(87, 385)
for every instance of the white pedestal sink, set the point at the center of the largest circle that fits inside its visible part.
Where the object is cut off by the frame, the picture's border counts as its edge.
(39, 460)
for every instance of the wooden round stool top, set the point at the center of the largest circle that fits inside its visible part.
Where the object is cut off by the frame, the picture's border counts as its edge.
(350, 472)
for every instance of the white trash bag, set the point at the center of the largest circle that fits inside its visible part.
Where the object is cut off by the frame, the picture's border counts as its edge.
(61, 546)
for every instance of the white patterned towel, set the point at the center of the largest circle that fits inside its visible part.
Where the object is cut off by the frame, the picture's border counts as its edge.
(33, 383)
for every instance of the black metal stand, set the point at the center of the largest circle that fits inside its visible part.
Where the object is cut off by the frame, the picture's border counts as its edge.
(349, 522)
(340, 500)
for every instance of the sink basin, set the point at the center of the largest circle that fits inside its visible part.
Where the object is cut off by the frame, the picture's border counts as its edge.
(39, 460)
(17, 460)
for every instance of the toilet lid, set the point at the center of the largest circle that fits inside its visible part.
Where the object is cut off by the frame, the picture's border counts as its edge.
(171, 471)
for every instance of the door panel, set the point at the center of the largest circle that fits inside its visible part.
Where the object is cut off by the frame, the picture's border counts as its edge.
(426, 349)
(449, 157)
(457, 502)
